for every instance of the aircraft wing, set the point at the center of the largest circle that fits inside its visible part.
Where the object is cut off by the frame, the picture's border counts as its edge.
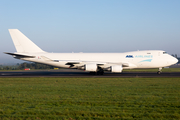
(72, 63)
(100, 64)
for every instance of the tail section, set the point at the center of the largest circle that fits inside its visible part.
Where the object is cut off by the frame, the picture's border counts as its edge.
(22, 43)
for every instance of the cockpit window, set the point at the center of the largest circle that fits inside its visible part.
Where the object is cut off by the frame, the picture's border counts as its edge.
(164, 52)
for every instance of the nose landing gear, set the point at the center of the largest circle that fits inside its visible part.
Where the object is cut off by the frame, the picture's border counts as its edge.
(159, 71)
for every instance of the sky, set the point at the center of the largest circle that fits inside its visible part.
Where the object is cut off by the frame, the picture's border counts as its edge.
(91, 25)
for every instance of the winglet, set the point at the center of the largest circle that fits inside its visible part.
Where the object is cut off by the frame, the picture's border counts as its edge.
(22, 43)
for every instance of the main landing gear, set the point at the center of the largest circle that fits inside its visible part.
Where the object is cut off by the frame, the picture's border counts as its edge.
(159, 71)
(100, 71)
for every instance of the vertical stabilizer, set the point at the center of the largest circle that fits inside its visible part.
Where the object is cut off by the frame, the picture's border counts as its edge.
(22, 43)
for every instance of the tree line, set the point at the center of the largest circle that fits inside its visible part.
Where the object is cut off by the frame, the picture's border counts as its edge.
(25, 65)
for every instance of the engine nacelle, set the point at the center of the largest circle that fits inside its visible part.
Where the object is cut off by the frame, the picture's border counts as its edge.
(116, 68)
(91, 67)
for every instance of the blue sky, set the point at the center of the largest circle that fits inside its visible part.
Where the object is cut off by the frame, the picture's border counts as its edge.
(92, 25)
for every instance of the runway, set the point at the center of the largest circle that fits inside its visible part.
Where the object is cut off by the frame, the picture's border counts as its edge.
(79, 73)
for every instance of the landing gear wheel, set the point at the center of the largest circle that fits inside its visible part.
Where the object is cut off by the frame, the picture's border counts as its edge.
(93, 73)
(159, 72)
(100, 71)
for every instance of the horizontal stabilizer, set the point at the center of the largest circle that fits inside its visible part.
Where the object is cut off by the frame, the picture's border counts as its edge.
(20, 55)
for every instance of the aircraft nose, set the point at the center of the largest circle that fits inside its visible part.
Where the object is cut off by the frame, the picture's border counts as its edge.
(174, 60)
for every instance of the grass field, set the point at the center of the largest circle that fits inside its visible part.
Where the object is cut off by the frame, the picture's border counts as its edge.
(154, 70)
(89, 98)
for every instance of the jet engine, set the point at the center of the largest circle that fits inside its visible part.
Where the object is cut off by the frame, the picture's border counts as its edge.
(116, 68)
(91, 67)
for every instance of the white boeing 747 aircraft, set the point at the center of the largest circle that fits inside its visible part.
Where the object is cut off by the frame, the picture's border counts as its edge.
(92, 62)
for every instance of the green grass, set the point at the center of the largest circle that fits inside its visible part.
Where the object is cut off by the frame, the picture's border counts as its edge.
(89, 98)
(153, 70)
